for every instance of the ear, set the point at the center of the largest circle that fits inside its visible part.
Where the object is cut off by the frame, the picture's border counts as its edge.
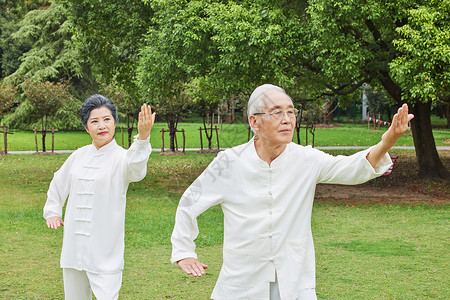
(254, 122)
(87, 130)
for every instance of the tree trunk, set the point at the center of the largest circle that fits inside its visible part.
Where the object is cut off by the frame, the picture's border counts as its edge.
(297, 129)
(430, 165)
(244, 116)
(448, 115)
(129, 130)
(172, 132)
(43, 141)
(229, 115)
(389, 118)
(211, 134)
(43, 135)
(208, 135)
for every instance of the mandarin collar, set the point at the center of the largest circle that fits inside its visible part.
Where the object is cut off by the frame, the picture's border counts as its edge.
(275, 163)
(106, 148)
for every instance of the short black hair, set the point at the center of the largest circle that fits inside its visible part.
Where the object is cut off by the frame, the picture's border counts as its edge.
(96, 101)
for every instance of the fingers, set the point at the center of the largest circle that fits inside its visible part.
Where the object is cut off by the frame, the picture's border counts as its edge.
(146, 121)
(146, 112)
(54, 223)
(146, 115)
(403, 113)
(192, 266)
(401, 118)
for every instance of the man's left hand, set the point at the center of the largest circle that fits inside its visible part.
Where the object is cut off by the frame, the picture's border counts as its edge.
(398, 126)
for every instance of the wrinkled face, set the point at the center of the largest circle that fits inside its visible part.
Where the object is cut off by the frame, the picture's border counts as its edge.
(101, 126)
(275, 131)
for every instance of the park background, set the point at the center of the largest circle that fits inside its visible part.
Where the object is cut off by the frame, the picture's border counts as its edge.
(347, 65)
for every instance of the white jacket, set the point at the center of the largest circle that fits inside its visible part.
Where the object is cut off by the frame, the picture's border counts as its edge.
(267, 215)
(96, 183)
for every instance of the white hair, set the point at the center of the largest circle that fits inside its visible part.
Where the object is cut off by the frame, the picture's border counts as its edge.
(256, 103)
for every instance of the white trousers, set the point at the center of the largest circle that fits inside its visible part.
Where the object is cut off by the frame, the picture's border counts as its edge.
(79, 285)
(305, 294)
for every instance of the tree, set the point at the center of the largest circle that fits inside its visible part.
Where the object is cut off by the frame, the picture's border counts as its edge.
(206, 96)
(237, 45)
(162, 81)
(110, 35)
(7, 97)
(329, 47)
(44, 99)
(219, 49)
(377, 101)
(11, 12)
(358, 42)
(52, 56)
(422, 69)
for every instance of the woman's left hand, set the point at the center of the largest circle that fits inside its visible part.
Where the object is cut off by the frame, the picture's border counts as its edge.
(145, 123)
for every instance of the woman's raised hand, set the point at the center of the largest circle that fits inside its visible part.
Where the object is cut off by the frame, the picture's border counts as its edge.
(145, 123)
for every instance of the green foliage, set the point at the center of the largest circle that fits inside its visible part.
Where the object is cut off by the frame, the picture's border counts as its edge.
(353, 42)
(52, 56)
(110, 34)
(376, 99)
(67, 117)
(364, 41)
(45, 97)
(311, 113)
(42, 101)
(236, 45)
(19, 8)
(423, 64)
(10, 49)
(7, 98)
(22, 117)
(161, 79)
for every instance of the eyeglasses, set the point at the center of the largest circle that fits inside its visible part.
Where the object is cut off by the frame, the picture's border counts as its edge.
(278, 113)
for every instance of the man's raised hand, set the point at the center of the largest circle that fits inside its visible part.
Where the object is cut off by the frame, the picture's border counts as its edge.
(398, 126)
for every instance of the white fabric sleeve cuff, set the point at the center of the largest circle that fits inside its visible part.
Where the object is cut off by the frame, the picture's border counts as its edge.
(183, 255)
(384, 164)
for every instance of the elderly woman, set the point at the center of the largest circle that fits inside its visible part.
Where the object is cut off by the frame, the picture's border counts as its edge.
(95, 180)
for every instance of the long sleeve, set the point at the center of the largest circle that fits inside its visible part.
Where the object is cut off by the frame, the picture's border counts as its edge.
(353, 169)
(206, 191)
(58, 190)
(137, 158)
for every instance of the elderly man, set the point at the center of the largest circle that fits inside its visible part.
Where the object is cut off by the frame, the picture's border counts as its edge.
(266, 190)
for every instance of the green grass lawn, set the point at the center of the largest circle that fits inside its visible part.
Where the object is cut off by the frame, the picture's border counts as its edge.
(229, 135)
(362, 251)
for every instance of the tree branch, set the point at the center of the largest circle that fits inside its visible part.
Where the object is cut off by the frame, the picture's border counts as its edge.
(391, 87)
(346, 88)
(444, 98)
(376, 34)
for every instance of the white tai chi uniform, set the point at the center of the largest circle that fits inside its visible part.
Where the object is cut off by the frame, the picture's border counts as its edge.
(267, 215)
(96, 183)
